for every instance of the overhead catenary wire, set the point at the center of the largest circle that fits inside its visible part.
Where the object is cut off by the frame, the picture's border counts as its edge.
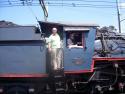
(64, 0)
(73, 3)
(86, 1)
(60, 4)
(89, 1)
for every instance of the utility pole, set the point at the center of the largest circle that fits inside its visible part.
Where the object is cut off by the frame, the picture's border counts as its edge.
(118, 14)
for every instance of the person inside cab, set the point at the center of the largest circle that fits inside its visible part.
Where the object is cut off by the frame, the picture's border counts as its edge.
(72, 41)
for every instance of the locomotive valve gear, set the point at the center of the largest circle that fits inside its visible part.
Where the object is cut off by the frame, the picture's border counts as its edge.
(54, 47)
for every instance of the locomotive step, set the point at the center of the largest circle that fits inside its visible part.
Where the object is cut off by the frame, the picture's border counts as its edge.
(60, 83)
(59, 76)
(60, 89)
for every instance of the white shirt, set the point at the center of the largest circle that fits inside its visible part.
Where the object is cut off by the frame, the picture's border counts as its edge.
(54, 41)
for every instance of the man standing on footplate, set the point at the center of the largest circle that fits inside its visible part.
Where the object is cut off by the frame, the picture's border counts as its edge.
(54, 49)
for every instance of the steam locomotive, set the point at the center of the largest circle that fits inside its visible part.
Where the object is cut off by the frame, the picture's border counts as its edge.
(94, 66)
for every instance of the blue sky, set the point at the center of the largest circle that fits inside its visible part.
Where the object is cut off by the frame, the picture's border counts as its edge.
(22, 15)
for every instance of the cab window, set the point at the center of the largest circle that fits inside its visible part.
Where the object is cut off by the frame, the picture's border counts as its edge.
(75, 39)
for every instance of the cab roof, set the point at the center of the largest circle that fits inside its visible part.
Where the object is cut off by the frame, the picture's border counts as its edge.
(46, 27)
(68, 24)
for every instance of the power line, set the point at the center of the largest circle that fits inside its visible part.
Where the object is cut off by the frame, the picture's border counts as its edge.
(55, 6)
(60, 0)
(85, 1)
(60, 4)
(90, 1)
(50, 3)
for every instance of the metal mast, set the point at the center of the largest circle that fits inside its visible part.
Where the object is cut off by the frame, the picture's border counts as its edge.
(118, 14)
(44, 9)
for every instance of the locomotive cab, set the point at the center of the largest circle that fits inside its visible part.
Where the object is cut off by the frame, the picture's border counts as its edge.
(77, 50)
(77, 44)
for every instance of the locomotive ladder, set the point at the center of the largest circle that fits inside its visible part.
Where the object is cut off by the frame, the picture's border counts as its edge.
(59, 83)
